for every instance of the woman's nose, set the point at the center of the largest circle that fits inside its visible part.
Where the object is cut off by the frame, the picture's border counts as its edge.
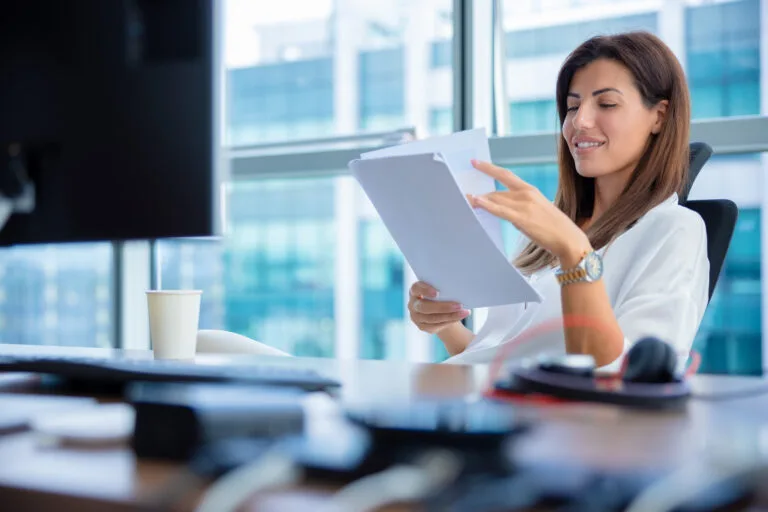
(585, 117)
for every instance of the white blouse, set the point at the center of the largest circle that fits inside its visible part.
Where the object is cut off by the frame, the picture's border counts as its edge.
(657, 278)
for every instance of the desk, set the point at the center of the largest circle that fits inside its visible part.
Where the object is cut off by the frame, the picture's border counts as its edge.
(33, 478)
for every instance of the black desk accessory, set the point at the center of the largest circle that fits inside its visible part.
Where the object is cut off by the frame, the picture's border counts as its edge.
(173, 421)
(110, 375)
(647, 380)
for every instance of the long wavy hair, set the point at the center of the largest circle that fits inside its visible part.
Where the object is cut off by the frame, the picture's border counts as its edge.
(663, 167)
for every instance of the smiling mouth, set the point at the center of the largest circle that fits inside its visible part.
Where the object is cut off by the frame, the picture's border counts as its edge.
(589, 145)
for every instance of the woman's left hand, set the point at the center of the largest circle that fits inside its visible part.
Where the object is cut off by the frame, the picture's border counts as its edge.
(533, 214)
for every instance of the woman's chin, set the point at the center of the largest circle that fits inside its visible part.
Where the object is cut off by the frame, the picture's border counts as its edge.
(589, 172)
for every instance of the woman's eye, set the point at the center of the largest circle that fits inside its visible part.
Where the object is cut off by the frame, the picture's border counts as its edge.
(608, 105)
(572, 109)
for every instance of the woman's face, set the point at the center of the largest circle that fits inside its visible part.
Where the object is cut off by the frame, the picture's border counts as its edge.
(607, 126)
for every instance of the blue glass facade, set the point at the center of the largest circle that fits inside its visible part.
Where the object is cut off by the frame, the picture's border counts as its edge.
(440, 121)
(57, 295)
(279, 264)
(381, 289)
(730, 337)
(562, 39)
(382, 89)
(533, 116)
(723, 58)
(280, 101)
(441, 54)
(723, 66)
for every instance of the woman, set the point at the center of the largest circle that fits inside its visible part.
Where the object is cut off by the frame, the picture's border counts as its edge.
(615, 245)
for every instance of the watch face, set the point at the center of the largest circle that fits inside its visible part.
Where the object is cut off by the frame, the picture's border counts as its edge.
(593, 264)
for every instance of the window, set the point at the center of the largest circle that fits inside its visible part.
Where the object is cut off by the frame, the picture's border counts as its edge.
(730, 336)
(560, 38)
(533, 116)
(440, 121)
(57, 295)
(536, 47)
(306, 265)
(304, 69)
(442, 54)
(271, 101)
(382, 293)
(272, 278)
(723, 54)
(382, 97)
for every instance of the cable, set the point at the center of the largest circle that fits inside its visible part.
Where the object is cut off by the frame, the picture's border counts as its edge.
(229, 492)
(731, 395)
(689, 481)
(209, 462)
(432, 472)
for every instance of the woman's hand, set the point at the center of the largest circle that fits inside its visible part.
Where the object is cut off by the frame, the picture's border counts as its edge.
(534, 215)
(430, 315)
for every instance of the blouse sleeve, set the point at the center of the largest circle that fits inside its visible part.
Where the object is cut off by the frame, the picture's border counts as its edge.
(666, 292)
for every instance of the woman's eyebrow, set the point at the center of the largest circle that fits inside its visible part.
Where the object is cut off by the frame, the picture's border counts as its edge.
(597, 92)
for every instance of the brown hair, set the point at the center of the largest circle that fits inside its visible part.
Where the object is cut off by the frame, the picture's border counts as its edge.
(663, 168)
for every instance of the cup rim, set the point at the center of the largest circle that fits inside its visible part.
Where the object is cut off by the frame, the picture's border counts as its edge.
(174, 292)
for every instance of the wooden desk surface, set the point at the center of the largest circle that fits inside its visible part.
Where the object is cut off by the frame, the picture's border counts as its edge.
(33, 476)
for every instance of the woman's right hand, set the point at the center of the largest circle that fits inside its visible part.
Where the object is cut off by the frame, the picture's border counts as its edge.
(430, 315)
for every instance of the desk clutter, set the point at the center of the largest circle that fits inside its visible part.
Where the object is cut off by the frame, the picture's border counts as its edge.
(235, 437)
(441, 454)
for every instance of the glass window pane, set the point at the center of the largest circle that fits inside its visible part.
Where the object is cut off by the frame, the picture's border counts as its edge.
(272, 277)
(303, 69)
(334, 68)
(720, 49)
(730, 337)
(381, 289)
(57, 295)
(723, 52)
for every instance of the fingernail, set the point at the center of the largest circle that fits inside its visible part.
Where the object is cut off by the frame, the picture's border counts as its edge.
(457, 307)
(434, 294)
(474, 162)
(464, 313)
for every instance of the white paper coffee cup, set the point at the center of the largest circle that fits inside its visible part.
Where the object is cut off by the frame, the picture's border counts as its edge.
(173, 322)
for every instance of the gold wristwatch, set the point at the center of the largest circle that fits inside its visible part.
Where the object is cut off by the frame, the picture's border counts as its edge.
(589, 270)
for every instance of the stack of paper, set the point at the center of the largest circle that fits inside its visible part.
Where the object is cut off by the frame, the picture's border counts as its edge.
(419, 190)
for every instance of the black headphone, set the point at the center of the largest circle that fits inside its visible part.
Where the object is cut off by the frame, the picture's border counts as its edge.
(647, 379)
(652, 361)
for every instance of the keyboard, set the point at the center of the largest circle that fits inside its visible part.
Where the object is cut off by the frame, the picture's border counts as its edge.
(100, 371)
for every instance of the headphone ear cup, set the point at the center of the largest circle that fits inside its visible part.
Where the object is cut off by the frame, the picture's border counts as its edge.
(651, 360)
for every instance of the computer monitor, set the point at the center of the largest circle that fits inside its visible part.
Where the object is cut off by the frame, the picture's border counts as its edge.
(108, 106)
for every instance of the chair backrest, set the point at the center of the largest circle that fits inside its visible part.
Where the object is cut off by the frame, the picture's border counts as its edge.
(699, 154)
(719, 215)
(720, 220)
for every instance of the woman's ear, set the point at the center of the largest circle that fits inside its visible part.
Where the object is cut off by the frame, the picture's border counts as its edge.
(660, 111)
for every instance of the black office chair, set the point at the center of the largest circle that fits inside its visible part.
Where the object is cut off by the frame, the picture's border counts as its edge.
(699, 154)
(719, 215)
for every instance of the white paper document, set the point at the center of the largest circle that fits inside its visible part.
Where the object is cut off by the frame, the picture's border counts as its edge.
(447, 243)
(458, 149)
